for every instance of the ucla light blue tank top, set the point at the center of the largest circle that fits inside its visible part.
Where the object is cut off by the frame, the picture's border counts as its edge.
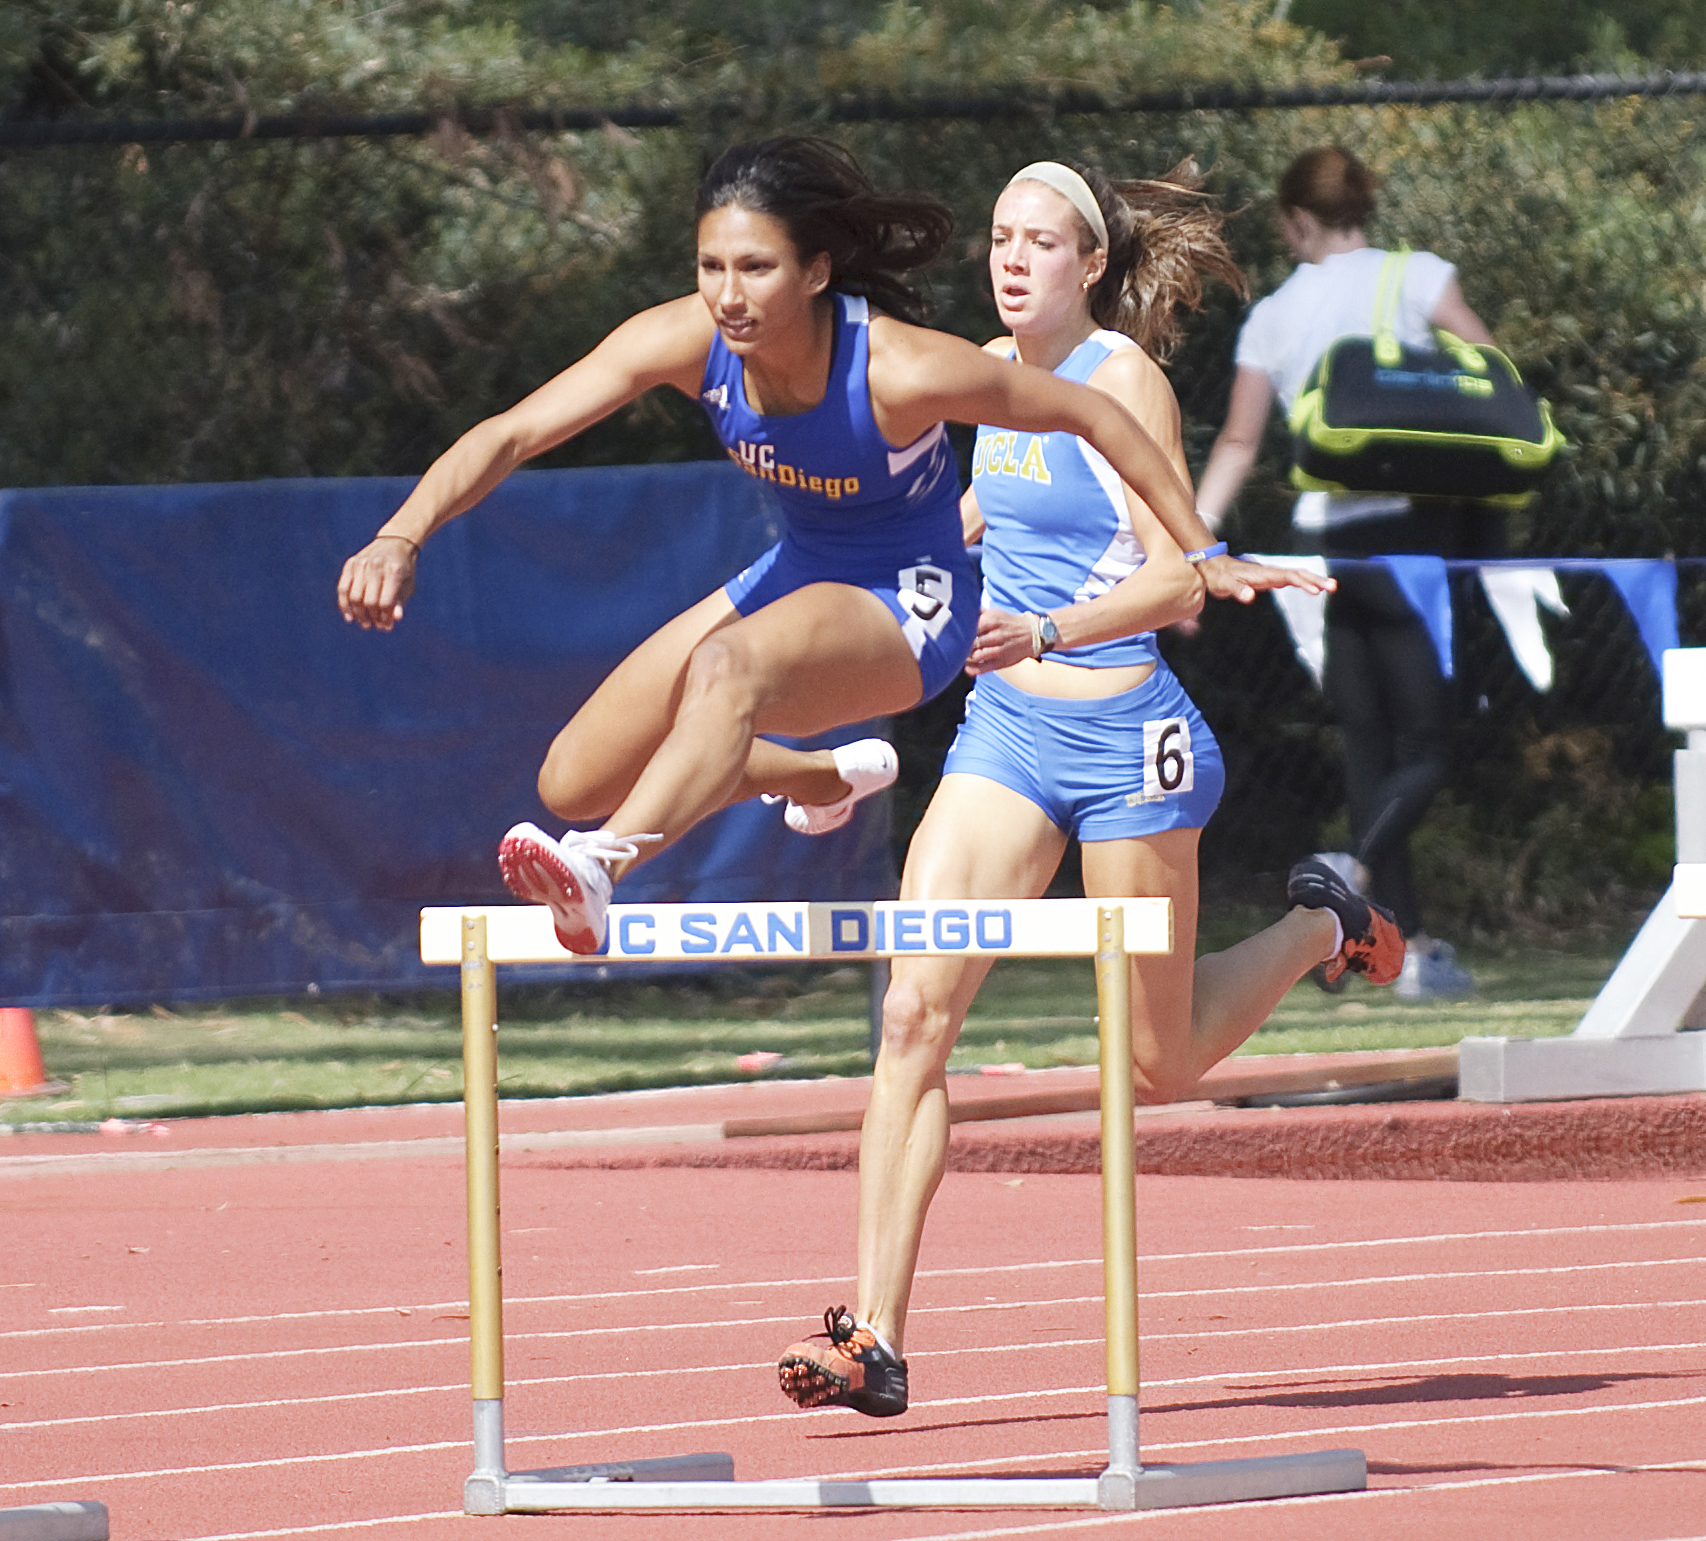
(851, 499)
(1057, 531)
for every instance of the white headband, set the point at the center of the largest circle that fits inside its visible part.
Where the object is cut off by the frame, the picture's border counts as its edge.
(1073, 188)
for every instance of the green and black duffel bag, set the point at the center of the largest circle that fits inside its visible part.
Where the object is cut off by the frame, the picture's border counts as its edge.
(1453, 421)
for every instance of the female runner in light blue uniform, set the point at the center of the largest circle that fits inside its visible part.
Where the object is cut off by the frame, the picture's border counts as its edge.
(850, 620)
(1057, 533)
(1075, 727)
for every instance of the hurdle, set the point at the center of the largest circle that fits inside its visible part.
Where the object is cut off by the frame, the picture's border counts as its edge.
(1642, 1034)
(478, 939)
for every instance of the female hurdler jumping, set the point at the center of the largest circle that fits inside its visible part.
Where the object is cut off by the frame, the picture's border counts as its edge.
(1075, 727)
(865, 607)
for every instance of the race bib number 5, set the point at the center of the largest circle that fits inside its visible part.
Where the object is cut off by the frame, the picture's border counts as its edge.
(1167, 763)
(926, 592)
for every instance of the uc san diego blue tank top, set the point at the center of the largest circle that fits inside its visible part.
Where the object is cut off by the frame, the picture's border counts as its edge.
(851, 499)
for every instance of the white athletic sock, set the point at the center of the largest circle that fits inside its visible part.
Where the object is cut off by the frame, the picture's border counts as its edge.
(1338, 936)
(882, 1342)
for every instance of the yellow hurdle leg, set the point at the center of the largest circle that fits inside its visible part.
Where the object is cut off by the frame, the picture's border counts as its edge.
(1118, 1486)
(483, 1491)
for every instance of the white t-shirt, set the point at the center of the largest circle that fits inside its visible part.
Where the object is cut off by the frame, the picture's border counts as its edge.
(1287, 332)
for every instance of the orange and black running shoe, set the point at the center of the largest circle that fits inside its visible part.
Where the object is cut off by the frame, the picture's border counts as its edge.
(850, 1369)
(1373, 946)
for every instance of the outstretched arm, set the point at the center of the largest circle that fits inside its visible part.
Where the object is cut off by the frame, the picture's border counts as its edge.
(919, 378)
(666, 345)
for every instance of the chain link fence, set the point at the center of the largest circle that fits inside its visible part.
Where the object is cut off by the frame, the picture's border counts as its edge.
(1576, 225)
(321, 306)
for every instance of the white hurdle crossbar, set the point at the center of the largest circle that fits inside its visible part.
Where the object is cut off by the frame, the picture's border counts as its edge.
(1109, 930)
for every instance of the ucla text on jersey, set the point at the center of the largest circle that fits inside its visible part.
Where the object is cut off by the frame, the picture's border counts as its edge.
(997, 454)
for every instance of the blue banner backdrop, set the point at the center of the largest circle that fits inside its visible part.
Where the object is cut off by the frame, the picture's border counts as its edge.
(210, 785)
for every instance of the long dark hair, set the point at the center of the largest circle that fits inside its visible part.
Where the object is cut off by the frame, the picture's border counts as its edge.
(827, 204)
(1165, 236)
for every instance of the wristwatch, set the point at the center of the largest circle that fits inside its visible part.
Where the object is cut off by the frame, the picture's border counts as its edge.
(1047, 634)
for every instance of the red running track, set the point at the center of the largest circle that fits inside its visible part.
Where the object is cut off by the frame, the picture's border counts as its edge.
(279, 1350)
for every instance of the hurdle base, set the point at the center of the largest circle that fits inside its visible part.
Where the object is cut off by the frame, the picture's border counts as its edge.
(625, 1486)
(81, 1519)
(483, 1493)
(1560, 1069)
(515, 1492)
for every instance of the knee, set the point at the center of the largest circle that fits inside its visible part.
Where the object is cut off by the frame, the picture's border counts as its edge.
(722, 672)
(1155, 1081)
(918, 1028)
(567, 790)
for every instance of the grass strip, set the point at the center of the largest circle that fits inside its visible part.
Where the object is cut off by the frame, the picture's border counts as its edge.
(567, 1040)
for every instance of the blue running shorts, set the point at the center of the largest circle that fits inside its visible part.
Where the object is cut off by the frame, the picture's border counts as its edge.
(1111, 768)
(935, 604)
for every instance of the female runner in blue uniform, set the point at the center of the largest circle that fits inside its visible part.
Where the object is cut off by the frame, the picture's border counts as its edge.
(1076, 727)
(866, 606)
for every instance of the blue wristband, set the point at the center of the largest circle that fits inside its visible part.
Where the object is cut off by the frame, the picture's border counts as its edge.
(1217, 549)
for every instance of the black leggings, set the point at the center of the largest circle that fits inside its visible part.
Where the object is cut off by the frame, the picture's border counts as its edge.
(1384, 684)
(1394, 709)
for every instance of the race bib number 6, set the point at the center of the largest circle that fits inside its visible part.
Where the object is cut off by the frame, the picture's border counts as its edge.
(1167, 762)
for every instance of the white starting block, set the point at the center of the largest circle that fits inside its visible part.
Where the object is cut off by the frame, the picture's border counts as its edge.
(1642, 1035)
(1108, 930)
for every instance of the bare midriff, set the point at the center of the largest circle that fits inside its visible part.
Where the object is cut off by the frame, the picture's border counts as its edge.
(1050, 677)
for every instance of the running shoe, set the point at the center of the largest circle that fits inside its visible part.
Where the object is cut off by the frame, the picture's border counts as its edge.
(867, 765)
(852, 1369)
(1373, 945)
(571, 875)
(1433, 975)
(1348, 867)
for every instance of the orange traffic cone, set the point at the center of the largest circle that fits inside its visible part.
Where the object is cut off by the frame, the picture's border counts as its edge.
(21, 1070)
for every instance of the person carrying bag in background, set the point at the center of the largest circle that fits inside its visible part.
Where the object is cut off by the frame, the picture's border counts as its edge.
(1453, 420)
(1383, 678)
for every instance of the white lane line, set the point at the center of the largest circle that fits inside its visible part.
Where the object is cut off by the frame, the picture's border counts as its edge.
(248, 1358)
(1617, 1409)
(1102, 1521)
(568, 1333)
(1357, 1430)
(1147, 1297)
(1362, 1281)
(430, 1147)
(1047, 1527)
(1233, 1381)
(320, 1530)
(1418, 1317)
(1214, 1255)
(835, 1281)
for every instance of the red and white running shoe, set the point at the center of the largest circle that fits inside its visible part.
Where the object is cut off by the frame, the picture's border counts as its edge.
(571, 875)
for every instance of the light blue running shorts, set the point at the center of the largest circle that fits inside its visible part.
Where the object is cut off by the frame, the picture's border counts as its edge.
(1111, 768)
